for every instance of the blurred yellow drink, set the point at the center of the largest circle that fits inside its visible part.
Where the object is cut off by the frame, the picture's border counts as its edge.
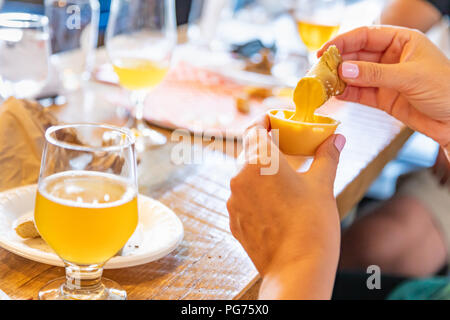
(86, 217)
(138, 74)
(315, 35)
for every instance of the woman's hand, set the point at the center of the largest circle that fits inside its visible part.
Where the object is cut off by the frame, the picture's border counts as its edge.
(400, 71)
(288, 222)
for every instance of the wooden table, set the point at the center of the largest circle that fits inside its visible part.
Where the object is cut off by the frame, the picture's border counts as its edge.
(209, 263)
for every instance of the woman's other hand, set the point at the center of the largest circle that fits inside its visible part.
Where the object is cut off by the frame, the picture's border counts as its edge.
(400, 71)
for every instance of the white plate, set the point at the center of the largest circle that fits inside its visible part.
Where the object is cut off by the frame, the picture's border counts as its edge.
(159, 231)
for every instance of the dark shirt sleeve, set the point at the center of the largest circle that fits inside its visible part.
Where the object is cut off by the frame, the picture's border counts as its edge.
(442, 5)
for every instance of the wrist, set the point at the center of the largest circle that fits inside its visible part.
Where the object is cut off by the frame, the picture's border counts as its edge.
(308, 278)
(320, 242)
(312, 247)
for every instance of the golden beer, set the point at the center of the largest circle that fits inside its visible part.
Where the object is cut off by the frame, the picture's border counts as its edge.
(86, 217)
(137, 74)
(315, 35)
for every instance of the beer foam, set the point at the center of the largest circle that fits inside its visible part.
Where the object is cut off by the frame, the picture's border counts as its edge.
(61, 182)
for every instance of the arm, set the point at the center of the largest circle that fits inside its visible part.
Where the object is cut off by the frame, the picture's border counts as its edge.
(288, 222)
(307, 279)
(416, 14)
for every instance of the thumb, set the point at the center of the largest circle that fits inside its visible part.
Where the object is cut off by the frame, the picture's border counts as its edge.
(369, 74)
(327, 158)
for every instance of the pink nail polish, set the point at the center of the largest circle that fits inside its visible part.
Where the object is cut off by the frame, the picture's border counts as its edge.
(350, 70)
(339, 142)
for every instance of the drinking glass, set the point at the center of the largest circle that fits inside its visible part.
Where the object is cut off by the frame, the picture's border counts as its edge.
(203, 21)
(86, 206)
(74, 33)
(317, 22)
(241, 21)
(24, 54)
(140, 38)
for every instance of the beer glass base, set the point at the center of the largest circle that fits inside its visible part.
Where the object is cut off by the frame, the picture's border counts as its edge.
(109, 290)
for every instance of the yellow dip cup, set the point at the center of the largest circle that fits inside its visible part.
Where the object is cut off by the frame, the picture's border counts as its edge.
(301, 138)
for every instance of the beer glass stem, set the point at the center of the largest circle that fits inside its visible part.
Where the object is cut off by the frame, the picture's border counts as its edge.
(146, 137)
(84, 282)
(138, 98)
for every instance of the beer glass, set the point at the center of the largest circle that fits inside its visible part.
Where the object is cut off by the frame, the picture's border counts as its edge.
(86, 206)
(317, 22)
(74, 33)
(140, 38)
(24, 54)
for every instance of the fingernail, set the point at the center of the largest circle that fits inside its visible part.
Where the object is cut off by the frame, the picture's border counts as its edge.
(339, 142)
(350, 70)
